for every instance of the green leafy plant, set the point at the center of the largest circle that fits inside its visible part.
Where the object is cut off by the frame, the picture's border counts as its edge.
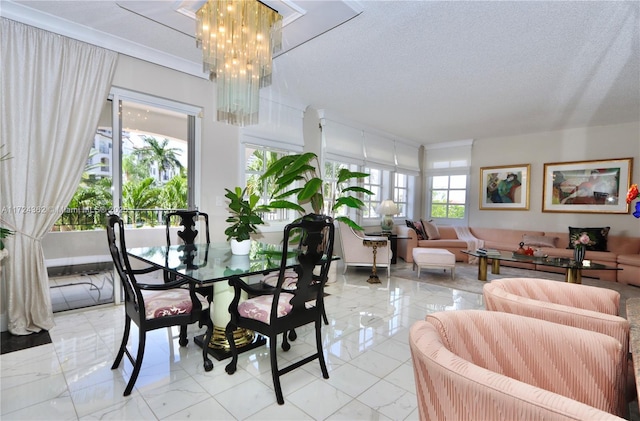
(245, 214)
(298, 177)
(4, 232)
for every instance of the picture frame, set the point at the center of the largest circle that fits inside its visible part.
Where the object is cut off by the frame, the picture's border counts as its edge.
(505, 187)
(596, 186)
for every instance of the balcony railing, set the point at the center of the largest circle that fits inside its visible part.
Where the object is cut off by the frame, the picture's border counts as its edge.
(83, 219)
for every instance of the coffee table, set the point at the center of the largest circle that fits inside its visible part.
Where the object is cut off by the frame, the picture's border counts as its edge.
(573, 269)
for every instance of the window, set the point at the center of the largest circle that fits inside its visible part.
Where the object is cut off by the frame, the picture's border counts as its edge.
(257, 160)
(330, 175)
(448, 196)
(401, 194)
(144, 177)
(374, 183)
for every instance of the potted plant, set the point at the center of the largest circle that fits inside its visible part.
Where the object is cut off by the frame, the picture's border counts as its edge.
(290, 169)
(244, 219)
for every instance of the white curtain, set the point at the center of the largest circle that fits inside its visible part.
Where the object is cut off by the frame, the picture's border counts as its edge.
(52, 91)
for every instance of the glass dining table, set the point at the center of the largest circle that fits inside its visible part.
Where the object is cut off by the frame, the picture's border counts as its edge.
(210, 265)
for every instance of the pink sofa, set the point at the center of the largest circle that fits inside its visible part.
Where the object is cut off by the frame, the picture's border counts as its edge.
(623, 252)
(552, 372)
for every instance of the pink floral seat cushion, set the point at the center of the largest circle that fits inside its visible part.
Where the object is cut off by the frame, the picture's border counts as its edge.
(290, 279)
(259, 308)
(169, 303)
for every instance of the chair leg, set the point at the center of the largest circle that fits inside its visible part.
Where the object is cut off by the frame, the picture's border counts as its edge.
(208, 364)
(273, 341)
(123, 345)
(231, 367)
(137, 364)
(324, 316)
(183, 341)
(323, 364)
(285, 342)
(293, 335)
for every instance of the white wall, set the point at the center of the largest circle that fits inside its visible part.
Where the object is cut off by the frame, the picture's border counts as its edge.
(603, 142)
(219, 168)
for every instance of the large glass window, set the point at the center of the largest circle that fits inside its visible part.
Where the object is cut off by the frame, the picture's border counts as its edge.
(331, 170)
(448, 196)
(401, 194)
(144, 177)
(374, 183)
(257, 160)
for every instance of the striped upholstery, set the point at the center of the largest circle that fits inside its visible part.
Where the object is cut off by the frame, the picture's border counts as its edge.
(576, 305)
(479, 365)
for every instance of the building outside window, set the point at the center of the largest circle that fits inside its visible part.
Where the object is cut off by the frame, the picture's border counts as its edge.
(153, 158)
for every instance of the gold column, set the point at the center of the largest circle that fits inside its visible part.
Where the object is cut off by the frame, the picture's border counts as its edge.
(482, 268)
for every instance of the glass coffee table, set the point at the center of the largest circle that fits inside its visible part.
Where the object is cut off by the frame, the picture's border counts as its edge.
(573, 269)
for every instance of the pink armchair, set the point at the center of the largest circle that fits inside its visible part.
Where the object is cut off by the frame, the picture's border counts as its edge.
(576, 305)
(479, 365)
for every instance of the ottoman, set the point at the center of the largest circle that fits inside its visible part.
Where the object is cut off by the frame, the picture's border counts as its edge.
(434, 258)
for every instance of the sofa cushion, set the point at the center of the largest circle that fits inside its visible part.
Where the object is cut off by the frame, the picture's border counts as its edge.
(539, 240)
(431, 230)
(417, 228)
(597, 237)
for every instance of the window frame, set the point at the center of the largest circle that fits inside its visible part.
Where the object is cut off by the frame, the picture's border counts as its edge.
(429, 197)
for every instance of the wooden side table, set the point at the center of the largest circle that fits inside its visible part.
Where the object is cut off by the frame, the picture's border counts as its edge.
(374, 243)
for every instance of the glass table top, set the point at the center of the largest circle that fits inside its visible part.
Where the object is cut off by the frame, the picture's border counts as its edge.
(213, 262)
(560, 262)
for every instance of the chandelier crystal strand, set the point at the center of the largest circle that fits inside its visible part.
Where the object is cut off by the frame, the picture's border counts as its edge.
(238, 39)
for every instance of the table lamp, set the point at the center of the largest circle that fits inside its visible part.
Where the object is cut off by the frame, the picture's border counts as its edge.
(387, 209)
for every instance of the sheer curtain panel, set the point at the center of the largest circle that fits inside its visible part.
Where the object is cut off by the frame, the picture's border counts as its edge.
(52, 91)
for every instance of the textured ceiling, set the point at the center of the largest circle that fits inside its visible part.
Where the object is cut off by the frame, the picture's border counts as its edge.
(439, 71)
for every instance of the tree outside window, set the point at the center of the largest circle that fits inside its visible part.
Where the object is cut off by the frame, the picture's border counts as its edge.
(448, 196)
(257, 161)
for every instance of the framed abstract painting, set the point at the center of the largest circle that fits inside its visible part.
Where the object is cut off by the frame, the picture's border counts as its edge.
(505, 187)
(598, 186)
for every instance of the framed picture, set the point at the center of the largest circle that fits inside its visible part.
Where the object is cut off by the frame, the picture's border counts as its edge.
(505, 187)
(587, 186)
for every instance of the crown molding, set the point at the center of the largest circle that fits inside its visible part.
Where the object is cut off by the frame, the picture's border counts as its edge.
(47, 22)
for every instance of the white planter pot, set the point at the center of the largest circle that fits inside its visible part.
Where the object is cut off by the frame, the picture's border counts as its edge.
(240, 248)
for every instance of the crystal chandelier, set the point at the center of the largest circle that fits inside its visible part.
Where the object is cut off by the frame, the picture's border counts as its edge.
(238, 39)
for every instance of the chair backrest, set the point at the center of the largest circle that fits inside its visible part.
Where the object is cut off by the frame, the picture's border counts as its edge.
(314, 236)
(188, 221)
(121, 260)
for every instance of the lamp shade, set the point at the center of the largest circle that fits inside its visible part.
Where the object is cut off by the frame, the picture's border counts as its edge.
(387, 207)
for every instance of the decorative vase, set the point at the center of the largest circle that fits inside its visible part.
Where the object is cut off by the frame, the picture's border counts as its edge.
(240, 248)
(578, 254)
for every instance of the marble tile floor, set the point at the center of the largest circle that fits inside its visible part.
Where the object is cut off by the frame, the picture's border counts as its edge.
(366, 348)
(80, 291)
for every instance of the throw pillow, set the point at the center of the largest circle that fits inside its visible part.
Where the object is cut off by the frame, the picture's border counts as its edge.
(539, 241)
(597, 237)
(420, 229)
(431, 230)
(419, 232)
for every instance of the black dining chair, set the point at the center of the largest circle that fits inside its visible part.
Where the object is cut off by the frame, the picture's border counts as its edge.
(153, 306)
(279, 310)
(187, 219)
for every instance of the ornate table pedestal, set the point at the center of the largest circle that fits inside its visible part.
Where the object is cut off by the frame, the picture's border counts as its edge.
(374, 243)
